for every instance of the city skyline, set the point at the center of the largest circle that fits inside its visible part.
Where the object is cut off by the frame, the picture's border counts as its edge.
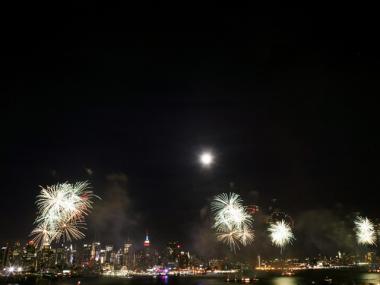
(86, 259)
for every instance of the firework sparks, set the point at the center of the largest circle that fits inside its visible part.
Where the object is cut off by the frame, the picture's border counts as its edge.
(67, 230)
(231, 238)
(233, 223)
(365, 231)
(246, 236)
(229, 212)
(42, 234)
(280, 234)
(61, 212)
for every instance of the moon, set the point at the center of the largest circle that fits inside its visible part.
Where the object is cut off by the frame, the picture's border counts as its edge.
(206, 158)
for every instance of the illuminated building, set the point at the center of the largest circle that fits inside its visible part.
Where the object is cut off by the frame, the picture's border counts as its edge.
(145, 257)
(216, 264)
(172, 254)
(259, 261)
(95, 251)
(146, 241)
(183, 259)
(60, 256)
(85, 254)
(4, 256)
(15, 257)
(118, 259)
(44, 257)
(103, 254)
(73, 255)
(109, 254)
(128, 255)
(30, 256)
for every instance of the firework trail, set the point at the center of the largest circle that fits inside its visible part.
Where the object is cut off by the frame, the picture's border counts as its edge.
(62, 209)
(280, 234)
(232, 222)
(365, 231)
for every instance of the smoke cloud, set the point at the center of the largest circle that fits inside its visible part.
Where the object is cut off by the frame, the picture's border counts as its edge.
(113, 217)
(324, 232)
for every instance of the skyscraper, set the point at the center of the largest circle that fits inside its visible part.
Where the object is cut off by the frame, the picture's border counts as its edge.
(4, 256)
(145, 256)
(173, 253)
(109, 255)
(128, 255)
(30, 256)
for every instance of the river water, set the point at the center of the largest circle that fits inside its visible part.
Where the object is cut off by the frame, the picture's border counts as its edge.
(312, 277)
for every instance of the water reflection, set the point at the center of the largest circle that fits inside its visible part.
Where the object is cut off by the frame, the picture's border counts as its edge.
(285, 281)
(313, 277)
(369, 278)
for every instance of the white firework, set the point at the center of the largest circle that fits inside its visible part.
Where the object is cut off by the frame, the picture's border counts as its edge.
(280, 234)
(232, 222)
(229, 213)
(61, 212)
(365, 231)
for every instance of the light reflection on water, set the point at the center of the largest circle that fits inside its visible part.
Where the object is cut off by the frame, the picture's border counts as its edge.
(301, 278)
(370, 277)
(285, 281)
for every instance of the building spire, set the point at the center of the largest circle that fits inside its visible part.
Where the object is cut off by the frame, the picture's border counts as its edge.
(146, 242)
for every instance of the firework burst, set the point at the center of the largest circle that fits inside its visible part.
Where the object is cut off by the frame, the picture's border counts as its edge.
(280, 234)
(62, 209)
(232, 222)
(365, 231)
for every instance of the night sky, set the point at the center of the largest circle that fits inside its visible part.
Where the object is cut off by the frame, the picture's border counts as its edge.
(127, 97)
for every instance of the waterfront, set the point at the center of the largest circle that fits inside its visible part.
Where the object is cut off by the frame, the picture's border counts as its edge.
(308, 277)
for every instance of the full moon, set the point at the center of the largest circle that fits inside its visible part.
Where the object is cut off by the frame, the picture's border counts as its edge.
(206, 158)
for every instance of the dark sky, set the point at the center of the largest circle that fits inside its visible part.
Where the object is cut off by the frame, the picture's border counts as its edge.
(286, 99)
